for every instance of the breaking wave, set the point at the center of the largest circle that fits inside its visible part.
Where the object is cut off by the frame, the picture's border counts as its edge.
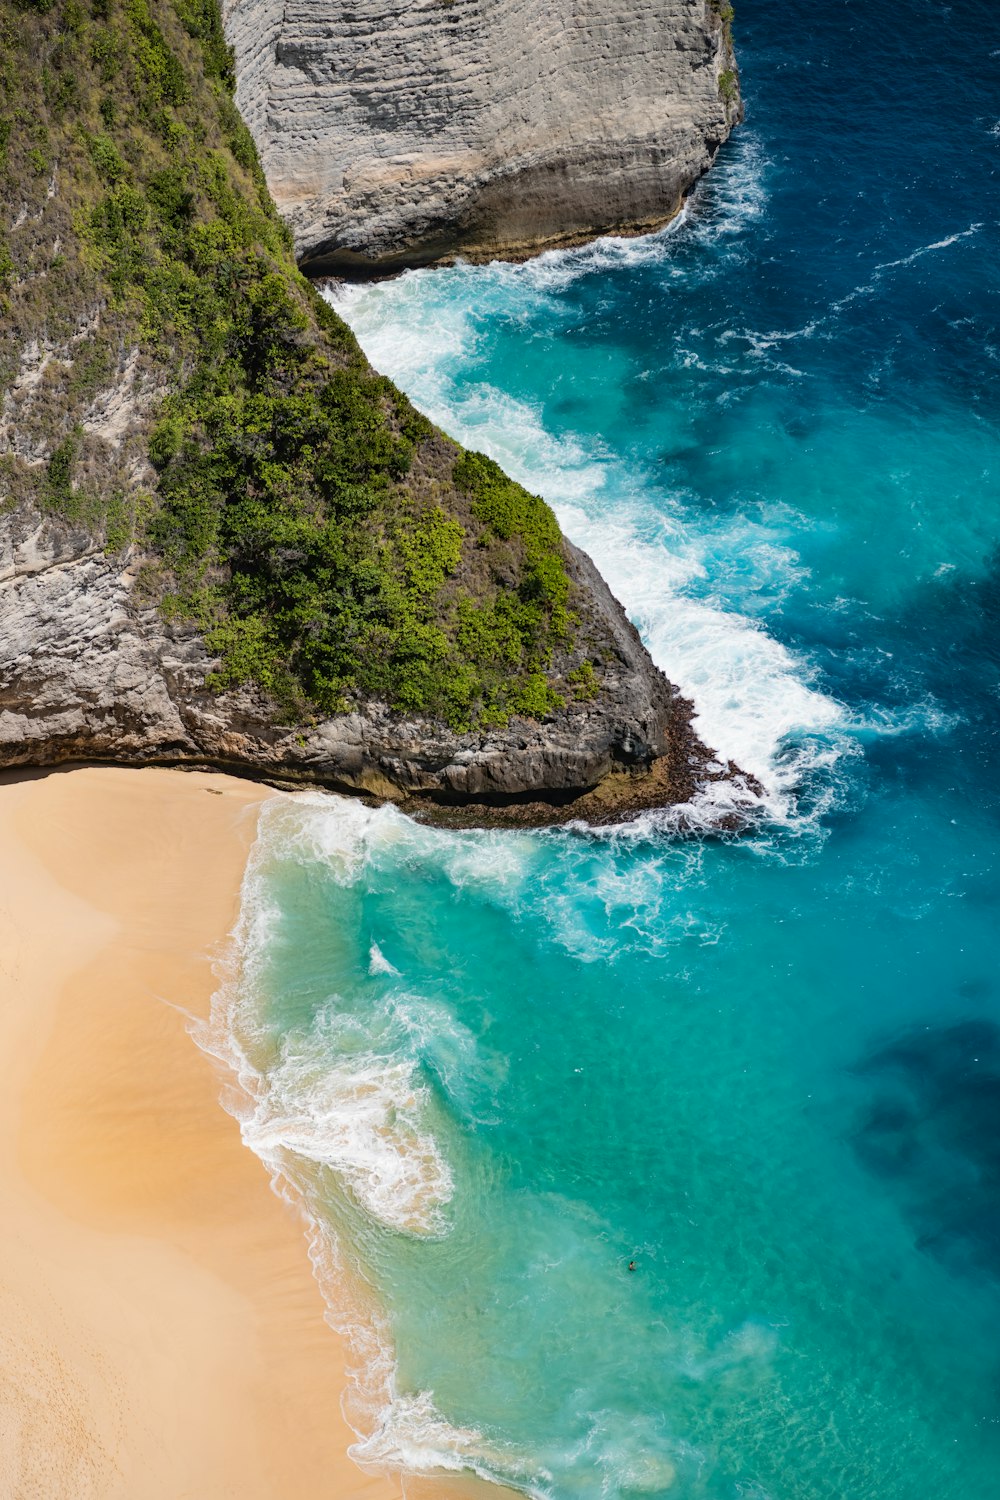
(755, 701)
(338, 1111)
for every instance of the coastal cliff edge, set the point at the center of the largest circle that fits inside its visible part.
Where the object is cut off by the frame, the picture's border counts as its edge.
(223, 537)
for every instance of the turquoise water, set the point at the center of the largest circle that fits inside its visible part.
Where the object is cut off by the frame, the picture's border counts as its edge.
(501, 1066)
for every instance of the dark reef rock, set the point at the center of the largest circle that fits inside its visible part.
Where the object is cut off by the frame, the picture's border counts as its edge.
(931, 1131)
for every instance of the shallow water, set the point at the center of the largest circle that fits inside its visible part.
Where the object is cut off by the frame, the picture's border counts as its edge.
(500, 1066)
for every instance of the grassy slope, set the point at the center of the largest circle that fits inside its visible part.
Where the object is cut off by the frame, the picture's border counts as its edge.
(330, 544)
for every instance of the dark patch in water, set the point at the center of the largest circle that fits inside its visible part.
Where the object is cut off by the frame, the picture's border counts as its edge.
(932, 1130)
(942, 647)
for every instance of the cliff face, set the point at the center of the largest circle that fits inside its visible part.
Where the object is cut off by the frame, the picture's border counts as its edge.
(224, 537)
(91, 670)
(399, 132)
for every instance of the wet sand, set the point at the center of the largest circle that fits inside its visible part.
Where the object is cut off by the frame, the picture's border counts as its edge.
(161, 1333)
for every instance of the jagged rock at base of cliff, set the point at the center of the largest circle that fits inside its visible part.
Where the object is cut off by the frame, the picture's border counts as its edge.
(395, 133)
(90, 671)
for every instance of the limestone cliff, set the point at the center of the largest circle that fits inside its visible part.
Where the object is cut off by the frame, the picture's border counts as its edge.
(222, 536)
(399, 132)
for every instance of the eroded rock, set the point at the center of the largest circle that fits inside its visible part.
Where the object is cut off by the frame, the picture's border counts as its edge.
(400, 132)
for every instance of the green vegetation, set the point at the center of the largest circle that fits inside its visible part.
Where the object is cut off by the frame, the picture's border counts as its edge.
(726, 15)
(59, 472)
(332, 547)
(584, 682)
(728, 85)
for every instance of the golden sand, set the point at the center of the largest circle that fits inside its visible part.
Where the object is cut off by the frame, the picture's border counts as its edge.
(161, 1334)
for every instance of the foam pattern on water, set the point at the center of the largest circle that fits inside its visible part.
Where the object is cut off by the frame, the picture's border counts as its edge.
(339, 1105)
(755, 702)
(342, 1091)
(340, 1110)
(699, 583)
(526, 1003)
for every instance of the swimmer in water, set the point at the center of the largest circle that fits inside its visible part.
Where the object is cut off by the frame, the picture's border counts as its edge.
(631, 1265)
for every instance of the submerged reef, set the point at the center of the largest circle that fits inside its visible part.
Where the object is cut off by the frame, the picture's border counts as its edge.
(931, 1131)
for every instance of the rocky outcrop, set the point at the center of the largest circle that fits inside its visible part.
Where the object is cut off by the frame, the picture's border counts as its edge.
(88, 670)
(400, 132)
(195, 457)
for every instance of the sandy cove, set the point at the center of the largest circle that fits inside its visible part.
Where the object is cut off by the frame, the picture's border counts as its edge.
(161, 1334)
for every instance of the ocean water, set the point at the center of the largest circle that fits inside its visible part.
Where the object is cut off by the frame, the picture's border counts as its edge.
(495, 1068)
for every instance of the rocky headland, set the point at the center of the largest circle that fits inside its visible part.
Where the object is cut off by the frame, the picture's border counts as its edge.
(395, 133)
(91, 671)
(223, 538)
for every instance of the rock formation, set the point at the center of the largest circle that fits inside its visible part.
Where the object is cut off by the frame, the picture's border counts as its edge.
(400, 132)
(222, 537)
(88, 670)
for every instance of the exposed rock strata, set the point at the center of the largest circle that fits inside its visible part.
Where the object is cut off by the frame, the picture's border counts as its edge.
(399, 132)
(87, 671)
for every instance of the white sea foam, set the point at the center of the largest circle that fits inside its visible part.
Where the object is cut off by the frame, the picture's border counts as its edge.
(763, 344)
(394, 1430)
(412, 1435)
(342, 1095)
(634, 1456)
(378, 963)
(361, 1114)
(870, 287)
(756, 702)
(359, 836)
(336, 1092)
(753, 698)
(737, 199)
(347, 1098)
(945, 244)
(692, 590)
(924, 715)
(342, 845)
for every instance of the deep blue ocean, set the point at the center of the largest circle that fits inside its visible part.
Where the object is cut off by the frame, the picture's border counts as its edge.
(766, 1069)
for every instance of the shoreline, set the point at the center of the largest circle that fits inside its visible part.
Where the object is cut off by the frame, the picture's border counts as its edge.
(163, 1334)
(672, 780)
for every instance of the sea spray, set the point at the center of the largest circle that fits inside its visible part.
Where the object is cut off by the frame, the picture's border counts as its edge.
(754, 702)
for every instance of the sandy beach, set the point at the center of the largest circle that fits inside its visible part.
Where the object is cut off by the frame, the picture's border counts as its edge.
(161, 1334)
